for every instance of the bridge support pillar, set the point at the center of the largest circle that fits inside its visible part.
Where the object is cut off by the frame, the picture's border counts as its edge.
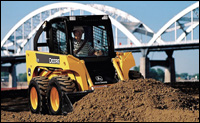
(144, 63)
(12, 76)
(170, 75)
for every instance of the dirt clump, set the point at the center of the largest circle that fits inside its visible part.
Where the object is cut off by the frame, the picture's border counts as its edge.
(142, 100)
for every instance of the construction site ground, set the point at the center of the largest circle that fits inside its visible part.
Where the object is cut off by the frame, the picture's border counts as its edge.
(143, 100)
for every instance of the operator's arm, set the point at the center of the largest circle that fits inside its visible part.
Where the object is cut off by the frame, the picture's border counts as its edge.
(92, 51)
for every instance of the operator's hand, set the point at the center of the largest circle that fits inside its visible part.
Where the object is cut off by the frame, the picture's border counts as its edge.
(98, 53)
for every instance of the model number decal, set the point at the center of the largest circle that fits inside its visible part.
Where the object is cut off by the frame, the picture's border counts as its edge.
(42, 58)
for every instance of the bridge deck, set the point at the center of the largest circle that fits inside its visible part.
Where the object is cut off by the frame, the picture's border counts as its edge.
(184, 46)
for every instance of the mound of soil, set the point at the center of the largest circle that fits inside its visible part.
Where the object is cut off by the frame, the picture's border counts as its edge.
(136, 100)
(142, 100)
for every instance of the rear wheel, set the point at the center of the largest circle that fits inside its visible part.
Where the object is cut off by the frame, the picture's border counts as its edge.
(57, 87)
(37, 94)
(135, 75)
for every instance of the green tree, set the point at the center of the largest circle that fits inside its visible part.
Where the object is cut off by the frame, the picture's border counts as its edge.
(183, 75)
(153, 73)
(160, 74)
(156, 74)
(178, 75)
(136, 68)
(4, 73)
(22, 77)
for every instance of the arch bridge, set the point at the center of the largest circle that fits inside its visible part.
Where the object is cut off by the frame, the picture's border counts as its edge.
(19, 37)
(129, 32)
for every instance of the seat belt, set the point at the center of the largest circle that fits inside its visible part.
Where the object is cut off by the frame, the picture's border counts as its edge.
(76, 51)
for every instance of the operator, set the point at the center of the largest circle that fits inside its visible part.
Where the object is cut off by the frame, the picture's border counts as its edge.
(82, 48)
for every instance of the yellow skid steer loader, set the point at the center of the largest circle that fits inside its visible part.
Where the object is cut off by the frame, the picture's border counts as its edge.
(76, 58)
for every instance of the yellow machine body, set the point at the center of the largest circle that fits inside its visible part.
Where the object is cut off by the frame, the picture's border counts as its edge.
(73, 67)
(122, 63)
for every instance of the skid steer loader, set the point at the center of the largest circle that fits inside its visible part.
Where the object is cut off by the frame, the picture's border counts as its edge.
(60, 76)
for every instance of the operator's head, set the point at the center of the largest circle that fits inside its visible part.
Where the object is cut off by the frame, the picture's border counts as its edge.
(78, 28)
(78, 31)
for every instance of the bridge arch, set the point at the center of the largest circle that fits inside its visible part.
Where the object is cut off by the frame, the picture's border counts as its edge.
(177, 18)
(131, 20)
(62, 7)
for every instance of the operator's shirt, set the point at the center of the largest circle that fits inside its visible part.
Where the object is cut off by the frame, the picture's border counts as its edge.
(86, 50)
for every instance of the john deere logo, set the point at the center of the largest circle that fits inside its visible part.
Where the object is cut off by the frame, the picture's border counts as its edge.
(43, 58)
(54, 61)
(99, 78)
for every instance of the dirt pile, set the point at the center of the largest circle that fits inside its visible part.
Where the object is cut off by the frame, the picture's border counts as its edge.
(136, 100)
(140, 100)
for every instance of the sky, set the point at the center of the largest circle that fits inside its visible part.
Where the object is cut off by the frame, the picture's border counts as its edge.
(154, 14)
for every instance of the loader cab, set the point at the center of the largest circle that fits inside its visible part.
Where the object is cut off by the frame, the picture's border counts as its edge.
(97, 33)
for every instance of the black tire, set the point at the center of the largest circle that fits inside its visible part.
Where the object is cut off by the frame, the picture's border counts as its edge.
(37, 94)
(135, 75)
(57, 87)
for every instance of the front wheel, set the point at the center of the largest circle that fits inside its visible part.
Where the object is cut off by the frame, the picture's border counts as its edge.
(57, 87)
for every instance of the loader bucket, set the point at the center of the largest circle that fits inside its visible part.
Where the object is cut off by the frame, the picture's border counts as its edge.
(70, 98)
(67, 105)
